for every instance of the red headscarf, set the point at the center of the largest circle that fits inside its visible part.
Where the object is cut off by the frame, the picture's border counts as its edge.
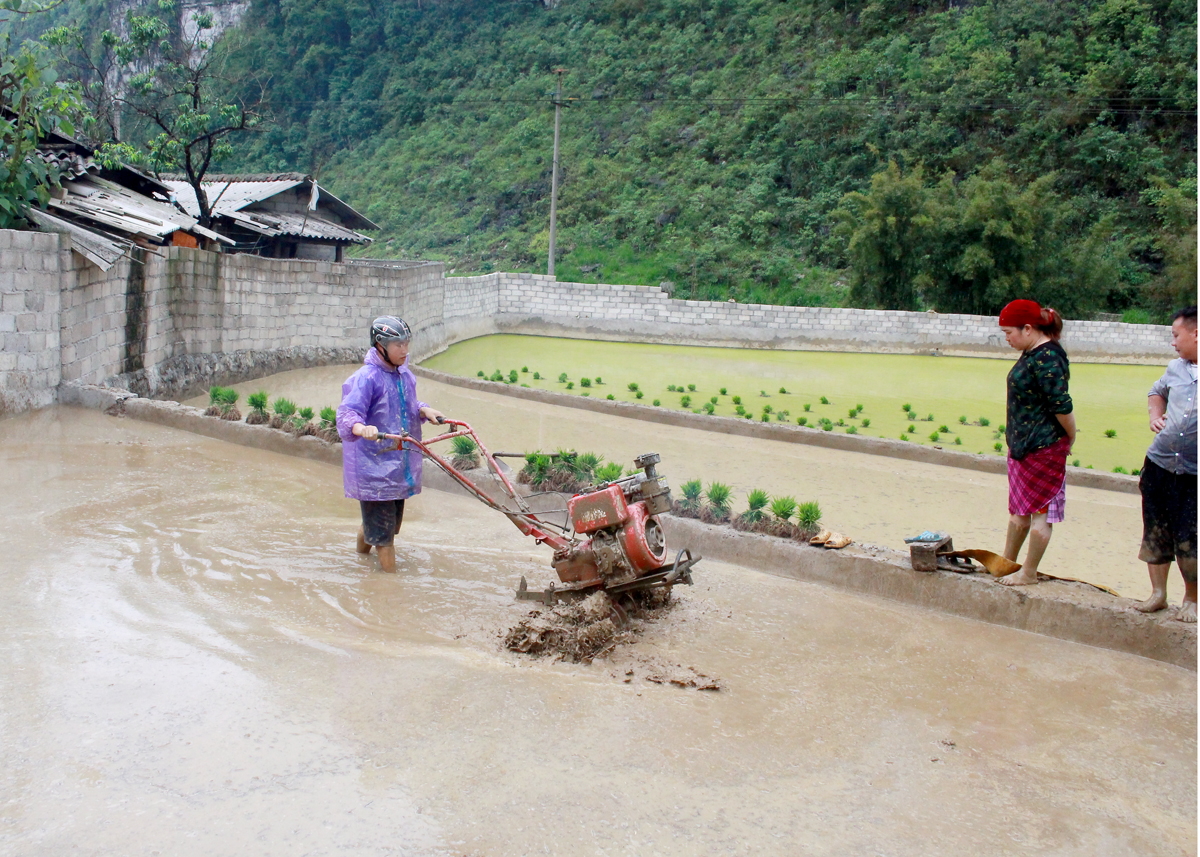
(1020, 313)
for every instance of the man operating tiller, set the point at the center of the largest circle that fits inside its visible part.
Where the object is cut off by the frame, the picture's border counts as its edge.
(381, 398)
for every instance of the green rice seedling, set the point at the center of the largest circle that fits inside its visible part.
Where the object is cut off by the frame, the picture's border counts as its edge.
(912, 428)
(570, 385)
(827, 426)
(958, 441)
(562, 378)
(690, 492)
(929, 418)
(766, 409)
(1119, 469)
(998, 446)
(657, 403)
(214, 395)
(841, 422)
(763, 394)
(328, 417)
(853, 413)
(962, 420)
(783, 391)
(1137, 471)
(464, 454)
(305, 414)
(851, 429)
(766, 418)
(633, 387)
(906, 407)
(1110, 432)
(481, 374)
(537, 376)
(739, 410)
(934, 436)
(513, 376)
(808, 515)
(610, 397)
(944, 429)
(1090, 467)
(801, 421)
(585, 382)
(720, 499)
(824, 400)
(858, 407)
(283, 407)
(229, 396)
(670, 388)
(756, 502)
(866, 423)
(903, 436)
(723, 392)
(737, 400)
(608, 472)
(1000, 429)
(258, 401)
(536, 469)
(984, 421)
(526, 386)
(1075, 462)
(807, 407)
(496, 376)
(691, 388)
(714, 400)
(598, 381)
(685, 401)
(638, 394)
(783, 507)
(785, 413)
(585, 394)
(709, 408)
(586, 464)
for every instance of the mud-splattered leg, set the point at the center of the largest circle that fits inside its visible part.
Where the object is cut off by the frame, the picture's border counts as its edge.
(1187, 610)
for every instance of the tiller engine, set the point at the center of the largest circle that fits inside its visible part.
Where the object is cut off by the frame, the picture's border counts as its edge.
(611, 540)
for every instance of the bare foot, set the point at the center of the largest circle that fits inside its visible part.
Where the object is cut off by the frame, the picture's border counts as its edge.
(1019, 578)
(1156, 602)
(1187, 612)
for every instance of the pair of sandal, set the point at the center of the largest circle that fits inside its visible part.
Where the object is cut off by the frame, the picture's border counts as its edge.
(835, 541)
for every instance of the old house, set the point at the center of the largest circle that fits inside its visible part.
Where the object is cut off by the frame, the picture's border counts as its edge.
(281, 215)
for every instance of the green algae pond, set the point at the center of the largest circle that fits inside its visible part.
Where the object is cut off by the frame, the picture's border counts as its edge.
(960, 400)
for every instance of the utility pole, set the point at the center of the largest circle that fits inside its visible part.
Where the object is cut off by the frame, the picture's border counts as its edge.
(554, 172)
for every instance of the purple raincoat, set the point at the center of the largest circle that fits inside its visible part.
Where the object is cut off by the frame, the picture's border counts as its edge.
(378, 395)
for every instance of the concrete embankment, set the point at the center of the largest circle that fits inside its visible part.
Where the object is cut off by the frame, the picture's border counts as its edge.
(782, 432)
(1069, 611)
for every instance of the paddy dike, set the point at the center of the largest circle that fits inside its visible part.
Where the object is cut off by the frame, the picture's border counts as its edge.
(197, 659)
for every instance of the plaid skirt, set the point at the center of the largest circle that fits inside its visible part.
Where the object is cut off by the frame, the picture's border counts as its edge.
(1038, 482)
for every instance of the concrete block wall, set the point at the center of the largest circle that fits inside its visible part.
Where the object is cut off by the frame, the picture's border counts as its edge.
(93, 319)
(30, 308)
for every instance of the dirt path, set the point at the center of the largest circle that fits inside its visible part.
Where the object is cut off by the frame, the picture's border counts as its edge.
(195, 659)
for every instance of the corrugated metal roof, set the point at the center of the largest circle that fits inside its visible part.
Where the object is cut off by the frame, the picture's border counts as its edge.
(279, 223)
(110, 205)
(103, 251)
(227, 194)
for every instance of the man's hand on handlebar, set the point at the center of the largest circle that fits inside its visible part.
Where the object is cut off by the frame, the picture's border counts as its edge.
(433, 416)
(366, 432)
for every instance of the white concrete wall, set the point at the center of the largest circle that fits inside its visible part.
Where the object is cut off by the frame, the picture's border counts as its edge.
(211, 316)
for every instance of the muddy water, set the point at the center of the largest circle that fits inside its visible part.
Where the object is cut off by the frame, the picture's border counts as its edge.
(871, 498)
(196, 662)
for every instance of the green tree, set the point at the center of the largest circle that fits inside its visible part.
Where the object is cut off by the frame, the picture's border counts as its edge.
(887, 230)
(33, 103)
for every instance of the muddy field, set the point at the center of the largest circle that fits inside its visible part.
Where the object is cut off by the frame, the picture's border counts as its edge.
(871, 498)
(197, 662)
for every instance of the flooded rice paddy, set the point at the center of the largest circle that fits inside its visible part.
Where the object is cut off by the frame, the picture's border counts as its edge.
(196, 662)
(871, 498)
(1106, 396)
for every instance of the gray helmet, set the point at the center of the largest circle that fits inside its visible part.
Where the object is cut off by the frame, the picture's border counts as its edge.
(389, 328)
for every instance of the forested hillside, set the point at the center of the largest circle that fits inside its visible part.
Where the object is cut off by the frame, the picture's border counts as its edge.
(1043, 147)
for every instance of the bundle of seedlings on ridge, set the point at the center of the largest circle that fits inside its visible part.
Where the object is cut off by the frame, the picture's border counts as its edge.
(222, 402)
(464, 453)
(773, 517)
(258, 409)
(327, 430)
(301, 423)
(284, 410)
(565, 471)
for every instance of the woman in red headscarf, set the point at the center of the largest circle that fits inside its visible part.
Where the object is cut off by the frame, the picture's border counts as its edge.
(1040, 431)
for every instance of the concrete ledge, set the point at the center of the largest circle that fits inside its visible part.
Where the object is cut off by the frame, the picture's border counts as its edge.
(777, 431)
(1069, 611)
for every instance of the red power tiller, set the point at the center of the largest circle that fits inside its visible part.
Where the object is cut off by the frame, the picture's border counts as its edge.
(613, 540)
